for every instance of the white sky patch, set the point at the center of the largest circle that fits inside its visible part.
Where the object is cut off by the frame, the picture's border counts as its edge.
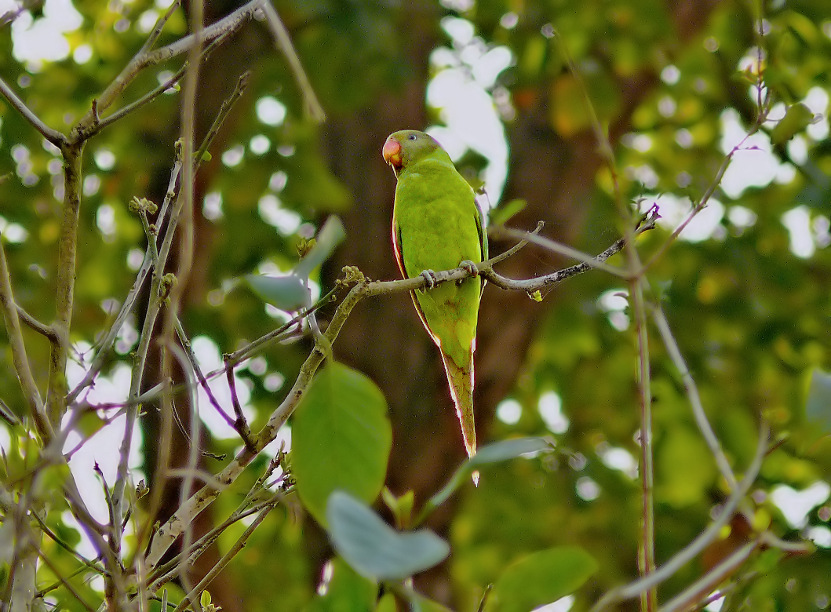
(212, 206)
(509, 411)
(13, 233)
(754, 165)
(619, 459)
(741, 217)
(102, 448)
(550, 407)
(259, 144)
(460, 30)
(270, 111)
(105, 220)
(587, 489)
(461, 92)
(147, 21)
(821, 536)
(795, 505)
(82, 54)
(42, 40)
(104, 158)
(798, 223)
(817, 101)
(674, 209)
(469, 113)
(209, 358)
(112, 388)
(563, 604)
(272, 212)
(614, 303)
(715, 606)
(233, 156)
(283, 437)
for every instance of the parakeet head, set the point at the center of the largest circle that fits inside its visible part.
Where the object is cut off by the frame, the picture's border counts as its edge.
(407, 146)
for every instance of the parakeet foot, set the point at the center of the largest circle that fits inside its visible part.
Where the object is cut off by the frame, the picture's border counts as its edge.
(430, 278)
(469, 267)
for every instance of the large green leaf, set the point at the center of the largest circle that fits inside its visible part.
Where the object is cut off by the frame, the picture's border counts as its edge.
(540, 578)
(341, 438)
(373, 548)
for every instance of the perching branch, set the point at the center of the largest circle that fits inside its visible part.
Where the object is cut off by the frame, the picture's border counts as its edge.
(363, 288)
(587, 262)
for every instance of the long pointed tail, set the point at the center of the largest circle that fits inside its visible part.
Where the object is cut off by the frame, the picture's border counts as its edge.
(461, 388)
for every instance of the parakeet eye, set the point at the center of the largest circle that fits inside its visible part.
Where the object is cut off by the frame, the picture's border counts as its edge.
(412, 136)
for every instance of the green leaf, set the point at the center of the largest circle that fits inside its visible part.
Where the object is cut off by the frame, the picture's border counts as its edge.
(818, 404)
(285, 292)
(540, 578)
(796, 119)
(373, 548)
(341, 438)
(328, 238)
(347, 591)
(492, 453)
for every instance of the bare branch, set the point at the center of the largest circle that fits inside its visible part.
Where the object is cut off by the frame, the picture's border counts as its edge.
(34, 324)
(690, 595)
(145, 58)
(18, 349)
(283, 40)
(695, 399)
(65, 277)
(224, 560)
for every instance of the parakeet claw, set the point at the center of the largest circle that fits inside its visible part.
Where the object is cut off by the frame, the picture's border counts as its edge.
(430, 278)
(469, 267)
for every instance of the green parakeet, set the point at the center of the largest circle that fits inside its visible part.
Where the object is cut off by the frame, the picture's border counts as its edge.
(437, 225)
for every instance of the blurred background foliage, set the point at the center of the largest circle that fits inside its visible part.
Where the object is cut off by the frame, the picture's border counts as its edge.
(745, 289)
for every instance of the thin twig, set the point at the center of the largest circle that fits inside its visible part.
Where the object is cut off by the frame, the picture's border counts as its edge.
(701, 587)
(548, 280)
(647, 556)
(221, 115)
(145, 58)
(194, 364)
(704, 539)
(692, 394)
(283, 40)
(167, 572)
(32, 323)
(57, 572)
(142, 101)
(224, 559)
(561, 249)
(184, 259)
(156, 32)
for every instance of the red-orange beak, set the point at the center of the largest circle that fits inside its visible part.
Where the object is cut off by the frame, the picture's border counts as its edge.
(392, 153)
